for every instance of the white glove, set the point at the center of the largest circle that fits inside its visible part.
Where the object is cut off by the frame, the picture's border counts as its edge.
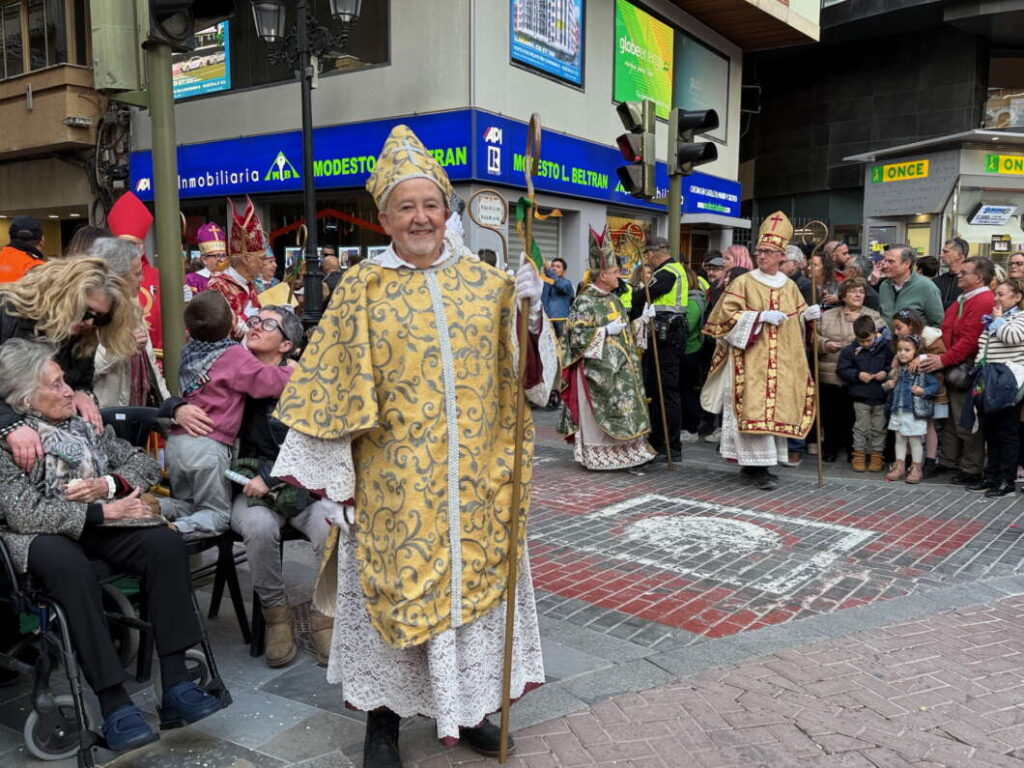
(648, 314)
(773, 317)
(813, 312)
(529, 286)
(340, 515)
(615, 327)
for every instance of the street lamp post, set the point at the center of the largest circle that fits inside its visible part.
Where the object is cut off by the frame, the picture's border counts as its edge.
(302, 48)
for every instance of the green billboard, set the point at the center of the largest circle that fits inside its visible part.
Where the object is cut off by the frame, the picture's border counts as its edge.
(643, 57)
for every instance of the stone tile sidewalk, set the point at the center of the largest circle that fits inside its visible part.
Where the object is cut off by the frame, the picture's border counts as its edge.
(945, 690)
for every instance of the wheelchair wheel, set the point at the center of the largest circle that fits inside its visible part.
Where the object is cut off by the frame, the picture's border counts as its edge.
(126, 639)
(56, 740)
(195, 664)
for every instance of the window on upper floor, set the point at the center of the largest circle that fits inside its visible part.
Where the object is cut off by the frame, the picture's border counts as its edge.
(368, 45)
(1004, 104)
(35, 34)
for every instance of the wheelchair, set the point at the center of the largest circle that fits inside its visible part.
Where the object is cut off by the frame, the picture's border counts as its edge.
(60, 726)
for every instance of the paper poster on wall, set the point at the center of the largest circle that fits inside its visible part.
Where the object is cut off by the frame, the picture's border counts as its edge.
(643, 57)
(547, 35)
(701, 81)
(206, 68)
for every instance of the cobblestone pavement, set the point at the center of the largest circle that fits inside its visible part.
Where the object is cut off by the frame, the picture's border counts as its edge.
(660, 594)
(945, 691)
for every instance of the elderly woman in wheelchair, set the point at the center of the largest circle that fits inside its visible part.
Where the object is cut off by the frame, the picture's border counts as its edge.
(83, 502)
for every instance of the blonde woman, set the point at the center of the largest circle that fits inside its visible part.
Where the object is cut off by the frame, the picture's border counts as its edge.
(74, 305)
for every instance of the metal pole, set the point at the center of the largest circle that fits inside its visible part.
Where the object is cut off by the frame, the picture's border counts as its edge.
(675, 204)
(313, 283)
(167, 258)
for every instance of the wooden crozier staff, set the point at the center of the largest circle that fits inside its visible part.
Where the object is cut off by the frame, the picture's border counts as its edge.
(522, 332)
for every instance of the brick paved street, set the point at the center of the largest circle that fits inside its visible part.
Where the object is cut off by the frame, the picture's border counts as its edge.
(688, 619)
(946, 690)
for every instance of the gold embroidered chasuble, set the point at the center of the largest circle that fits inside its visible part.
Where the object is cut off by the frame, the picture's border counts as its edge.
(772, 388)
(417, 367)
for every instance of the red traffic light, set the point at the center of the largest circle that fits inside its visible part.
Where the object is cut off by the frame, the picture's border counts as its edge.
(631, 145)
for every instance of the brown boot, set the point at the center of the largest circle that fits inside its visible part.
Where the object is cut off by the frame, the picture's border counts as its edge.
(322, 628)
(858, 465)
(897, 471)
(914, 474)
(280, 637)
(877, 463)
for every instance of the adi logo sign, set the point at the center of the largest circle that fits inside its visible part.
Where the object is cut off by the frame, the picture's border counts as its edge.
(912, 171)
(1012, 164)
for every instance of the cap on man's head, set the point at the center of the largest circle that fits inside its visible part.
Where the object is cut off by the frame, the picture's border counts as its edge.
(656, 243)
(26, 228)
(404, 157)
(714, 262)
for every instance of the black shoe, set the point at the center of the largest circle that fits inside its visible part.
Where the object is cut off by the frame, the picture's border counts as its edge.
(485, 739)
(829, 458)
(759, 477)
(380, 748)
(1002, 489)
(963, 478)
(981, 486)
(662, 458)
(932, 468)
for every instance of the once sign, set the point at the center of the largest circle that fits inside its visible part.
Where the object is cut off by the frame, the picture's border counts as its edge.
(915, 170)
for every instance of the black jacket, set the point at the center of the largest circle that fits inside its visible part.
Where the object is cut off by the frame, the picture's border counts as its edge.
(854, 360)
(261, 434)
(78, 371)
(948, 289)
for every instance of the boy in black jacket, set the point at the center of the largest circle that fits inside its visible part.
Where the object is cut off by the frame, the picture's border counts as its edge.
(864, 365)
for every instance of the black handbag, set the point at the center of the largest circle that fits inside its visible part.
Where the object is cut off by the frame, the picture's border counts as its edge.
(959, 377)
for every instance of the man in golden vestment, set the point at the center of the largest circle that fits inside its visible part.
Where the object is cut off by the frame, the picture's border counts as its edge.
(402, 412)
(759, 379)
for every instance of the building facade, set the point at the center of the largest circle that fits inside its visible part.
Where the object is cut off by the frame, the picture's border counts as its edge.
(892, 82)
(469, 93)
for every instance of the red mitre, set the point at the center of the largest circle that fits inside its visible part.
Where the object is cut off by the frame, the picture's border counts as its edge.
(246, 231)
(130, 218)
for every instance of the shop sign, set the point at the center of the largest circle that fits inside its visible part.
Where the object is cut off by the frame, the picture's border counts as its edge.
(911, 171)
(1012, 164)
(1002, 243)
(581, 168)
(469, 144)
(343, 156)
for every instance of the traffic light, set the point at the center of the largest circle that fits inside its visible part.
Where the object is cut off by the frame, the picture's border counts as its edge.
(637, 148)
(683, 152)
(174, 22)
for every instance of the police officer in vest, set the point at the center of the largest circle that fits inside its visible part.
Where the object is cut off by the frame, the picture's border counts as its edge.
(669, 295)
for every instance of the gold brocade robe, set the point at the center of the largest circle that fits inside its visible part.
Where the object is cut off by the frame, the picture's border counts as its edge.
(772, 388)
(417, 367)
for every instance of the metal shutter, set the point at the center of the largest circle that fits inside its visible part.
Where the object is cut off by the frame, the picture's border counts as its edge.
(547, 234)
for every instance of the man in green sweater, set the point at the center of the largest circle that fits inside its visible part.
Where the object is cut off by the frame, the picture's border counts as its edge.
(904, 289)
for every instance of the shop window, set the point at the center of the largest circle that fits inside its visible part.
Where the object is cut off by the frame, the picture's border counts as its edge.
(1004, 105)
(368, 45)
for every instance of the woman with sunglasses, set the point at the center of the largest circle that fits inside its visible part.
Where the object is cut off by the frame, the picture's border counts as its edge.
(73, 305)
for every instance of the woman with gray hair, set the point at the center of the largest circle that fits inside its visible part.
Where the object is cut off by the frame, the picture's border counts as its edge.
(266, 504)
(135, 380)
(83, 502)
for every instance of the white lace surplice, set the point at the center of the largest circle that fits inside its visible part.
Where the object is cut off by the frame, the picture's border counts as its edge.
(454, 678)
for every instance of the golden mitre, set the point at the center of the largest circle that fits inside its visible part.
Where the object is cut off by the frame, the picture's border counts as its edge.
(776, 231)
(404, 157)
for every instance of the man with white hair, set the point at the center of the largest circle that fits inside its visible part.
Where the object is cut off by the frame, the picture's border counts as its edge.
(402, 411)
(793, 267)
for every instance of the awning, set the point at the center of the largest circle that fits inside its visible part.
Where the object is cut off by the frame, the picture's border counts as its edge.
(714, 220)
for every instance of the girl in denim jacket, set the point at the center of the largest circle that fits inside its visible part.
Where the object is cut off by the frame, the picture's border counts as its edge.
(911, 404)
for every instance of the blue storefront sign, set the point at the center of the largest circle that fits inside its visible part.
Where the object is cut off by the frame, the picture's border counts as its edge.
(470, 144)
